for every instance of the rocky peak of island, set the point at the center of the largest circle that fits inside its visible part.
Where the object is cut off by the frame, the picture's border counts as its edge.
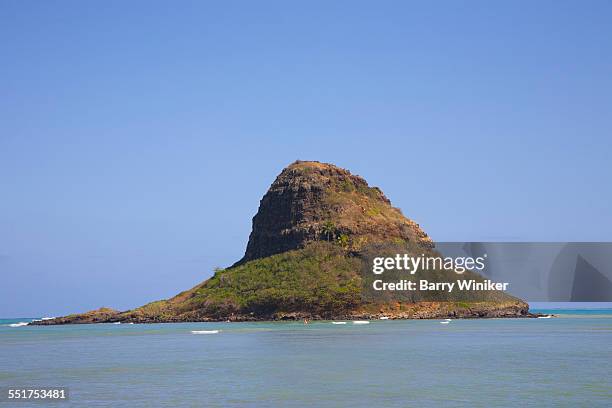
(312, 201)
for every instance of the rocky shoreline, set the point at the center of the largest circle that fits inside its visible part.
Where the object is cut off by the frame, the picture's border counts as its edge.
(418, 311)
(286, 318)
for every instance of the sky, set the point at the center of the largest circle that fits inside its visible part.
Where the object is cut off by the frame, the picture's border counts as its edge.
(137, 138)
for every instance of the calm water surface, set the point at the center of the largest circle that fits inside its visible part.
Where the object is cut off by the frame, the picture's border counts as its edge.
(565, 361)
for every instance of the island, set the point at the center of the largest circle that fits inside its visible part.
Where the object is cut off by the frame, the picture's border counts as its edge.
(310, 243)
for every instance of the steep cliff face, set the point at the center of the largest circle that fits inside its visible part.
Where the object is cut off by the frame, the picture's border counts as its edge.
(311, 201)
(306, 256)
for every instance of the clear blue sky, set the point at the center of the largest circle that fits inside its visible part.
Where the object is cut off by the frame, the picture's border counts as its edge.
(136, 138)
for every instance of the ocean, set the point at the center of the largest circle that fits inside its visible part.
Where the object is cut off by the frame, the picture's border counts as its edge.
(563, 361)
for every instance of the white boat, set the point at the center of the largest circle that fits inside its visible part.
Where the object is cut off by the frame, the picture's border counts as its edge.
(445, 322)
(361, 322)
(338, 322)
(116, 322)
(205, 331)
(383, 318)
(545, 317)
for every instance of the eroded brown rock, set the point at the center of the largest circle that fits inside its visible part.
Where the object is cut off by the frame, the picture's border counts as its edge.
(311, 201)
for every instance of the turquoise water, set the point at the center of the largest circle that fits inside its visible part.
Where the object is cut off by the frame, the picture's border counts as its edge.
(564, 361)
(576, 312)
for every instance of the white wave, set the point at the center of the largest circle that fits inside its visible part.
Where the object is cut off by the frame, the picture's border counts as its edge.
(116, 322)
(383, 318)
(205, 331)
(361, 322)
(20, 324)
(42, 319)
(445, 322)
(338, 322)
